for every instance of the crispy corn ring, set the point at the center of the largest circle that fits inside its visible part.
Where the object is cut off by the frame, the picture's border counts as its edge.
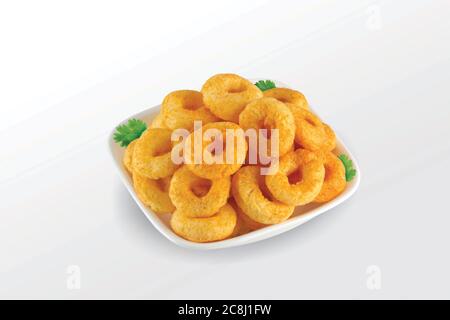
(216, 170)
(334, 182)
(152, 154)
(196, 204)
(153, 193)
(269, 113)
(158, 122)
(310, 132)
(304, 191)
(128, 156)
(181, 108)
(288, 97)
(226, 95)
(249, 196)
(218, 227)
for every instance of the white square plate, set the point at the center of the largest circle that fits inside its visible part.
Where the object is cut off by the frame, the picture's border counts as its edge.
(161, 222)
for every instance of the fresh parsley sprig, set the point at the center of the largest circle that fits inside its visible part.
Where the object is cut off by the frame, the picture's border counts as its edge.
(350, 172)
(130, 131)
(264, 85)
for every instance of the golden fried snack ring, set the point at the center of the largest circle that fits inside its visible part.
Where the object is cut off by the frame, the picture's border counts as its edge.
(152, 154)
(214, 228)
(311, 172)
(248, 194)
(216, 170)
(181, 108)
(269, 113)
(158, 122)
(153, 193)
(226, 95)
(128, 156)
(288, 97)
(334, 182)
(195, 204)
(311, 133)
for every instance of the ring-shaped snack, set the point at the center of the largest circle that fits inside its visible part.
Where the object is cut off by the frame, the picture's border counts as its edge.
(248, 194)
(214, 228)
(309, 172)
(310, 132)
(128, 156)
(334, 182)
(152, 154)
(226, 95)
(184, 195)
(181, 108)
(153, 193)
(220, 162)
(288, 97)
(269, 113)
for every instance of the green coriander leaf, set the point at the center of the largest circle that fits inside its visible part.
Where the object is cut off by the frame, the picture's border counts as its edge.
(128, 132)
(264, 85)
(350, 172)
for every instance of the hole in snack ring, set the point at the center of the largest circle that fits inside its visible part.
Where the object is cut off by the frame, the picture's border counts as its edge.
(328, 171)
(295, 177)
(237, 89)
(162, 150)
(263, 187)
(201, 187)
(217, 147)
(192, 105)
(163, 184)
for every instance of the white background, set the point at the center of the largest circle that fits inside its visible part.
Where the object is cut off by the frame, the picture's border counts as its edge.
(377, 71)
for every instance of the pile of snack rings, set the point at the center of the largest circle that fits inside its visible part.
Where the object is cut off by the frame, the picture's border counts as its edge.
(211, 202)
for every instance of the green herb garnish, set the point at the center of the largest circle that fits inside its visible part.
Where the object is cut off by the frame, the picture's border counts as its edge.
(264, 85)
(350, 172)
(130, 131)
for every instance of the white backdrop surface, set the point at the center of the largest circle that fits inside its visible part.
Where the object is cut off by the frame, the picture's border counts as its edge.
(377, 71)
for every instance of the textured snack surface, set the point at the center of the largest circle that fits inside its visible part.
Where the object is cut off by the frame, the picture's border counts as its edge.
(288, 96)
(152, 154)
(128, 156)
(269, 113)
(311, 173)
(236, 152)
(226, 95)
(248, 194)
(334, 182)
(214, 228)
(153, 193)
(158, 122)
(310, 132)
(181, 108)
(198, 197)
